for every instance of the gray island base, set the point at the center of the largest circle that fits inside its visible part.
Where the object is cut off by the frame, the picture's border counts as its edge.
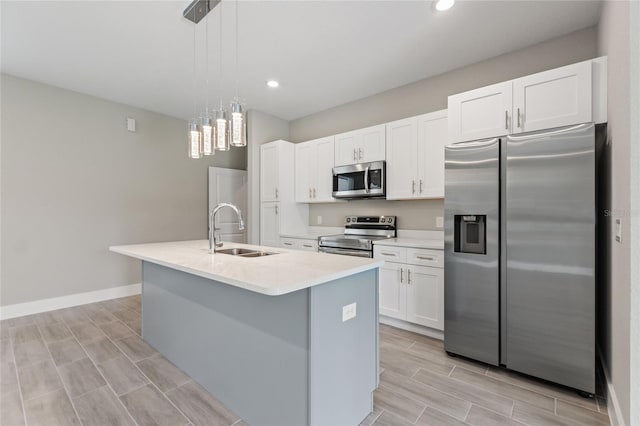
(286, 360)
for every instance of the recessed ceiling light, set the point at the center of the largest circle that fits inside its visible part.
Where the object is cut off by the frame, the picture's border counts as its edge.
(442, 5)
(273, 83)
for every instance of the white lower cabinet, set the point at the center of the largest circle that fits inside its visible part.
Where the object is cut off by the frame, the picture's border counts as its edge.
(304, 244)
(270, 224)
(409, 291)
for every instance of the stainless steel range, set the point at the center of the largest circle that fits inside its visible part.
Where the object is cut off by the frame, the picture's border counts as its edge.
(359, 234)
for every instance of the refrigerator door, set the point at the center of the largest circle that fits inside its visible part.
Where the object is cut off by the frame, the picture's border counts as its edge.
(472, 200)
(550, 254)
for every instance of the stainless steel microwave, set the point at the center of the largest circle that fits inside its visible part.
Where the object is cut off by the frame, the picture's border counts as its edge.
(364, 180)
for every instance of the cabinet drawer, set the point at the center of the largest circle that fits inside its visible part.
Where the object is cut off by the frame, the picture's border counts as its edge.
(289, 243)
(425, 257)
(393, 254)
(308, 245)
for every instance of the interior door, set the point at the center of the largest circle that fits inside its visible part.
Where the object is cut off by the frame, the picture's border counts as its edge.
(228, 186)
(402, 167)
(550, 237)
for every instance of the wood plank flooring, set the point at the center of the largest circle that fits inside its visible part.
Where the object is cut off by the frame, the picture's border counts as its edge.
(87, 365)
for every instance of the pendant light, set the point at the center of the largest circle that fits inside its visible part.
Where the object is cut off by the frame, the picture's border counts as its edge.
(195, 135)
(237, 124)
(207, 123)
(221, 134)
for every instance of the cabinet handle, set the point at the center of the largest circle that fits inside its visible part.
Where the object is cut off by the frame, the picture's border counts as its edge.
(354, 154)
(276, 209)
(408, 276)
(413, 186)
(288, 244)
(314, 193)
(518, 118)
(506, 120)
(307, 245)
(421, 186)
(276, 193)
(310, 193)
(387, 254)
(425, 258)
(401, 274)
(359, 153)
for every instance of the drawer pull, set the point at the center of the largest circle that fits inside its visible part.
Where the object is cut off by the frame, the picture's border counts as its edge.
(425, 258)
(387, 254)
(307, 245)
(288, 244)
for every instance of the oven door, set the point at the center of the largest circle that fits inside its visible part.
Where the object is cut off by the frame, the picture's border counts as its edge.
(347, 252)
(364, 180)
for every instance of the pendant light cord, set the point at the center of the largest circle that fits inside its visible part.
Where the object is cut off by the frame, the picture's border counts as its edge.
(237, 66)
(206, 67)
(194, 73)
(220, 52)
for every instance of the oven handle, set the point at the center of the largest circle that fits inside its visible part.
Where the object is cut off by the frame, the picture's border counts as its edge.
(347, 252)
(366, 180)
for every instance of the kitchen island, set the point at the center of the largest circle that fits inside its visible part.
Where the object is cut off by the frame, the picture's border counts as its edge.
(285, 339)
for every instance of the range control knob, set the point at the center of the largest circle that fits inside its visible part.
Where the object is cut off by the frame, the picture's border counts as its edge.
(348, 219)
(389, 220)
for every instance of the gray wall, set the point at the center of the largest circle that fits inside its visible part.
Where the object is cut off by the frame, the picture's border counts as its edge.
(74, 182)
(614, 336)
(261, 128)
(426, 96)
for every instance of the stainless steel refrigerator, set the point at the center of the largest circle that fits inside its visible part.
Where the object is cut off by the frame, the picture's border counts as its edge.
(520, 253)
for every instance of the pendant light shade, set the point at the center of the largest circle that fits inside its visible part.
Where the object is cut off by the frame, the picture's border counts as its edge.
(195, 140)
(237, 125)
(207, 135)
(221, 134)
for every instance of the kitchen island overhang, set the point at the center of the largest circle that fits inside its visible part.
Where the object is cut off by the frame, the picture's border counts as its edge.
(266, 335)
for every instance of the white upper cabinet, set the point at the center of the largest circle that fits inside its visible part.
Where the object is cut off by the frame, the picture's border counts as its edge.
(552, 98)
(563, 96)
(480, 113)
(415, 156)
(314, 161)
(360, 146)
(432, 138)
(402, 162)
(270, 172)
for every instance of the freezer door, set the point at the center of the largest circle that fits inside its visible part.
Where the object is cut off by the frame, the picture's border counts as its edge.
(472, 195)
(550, 273)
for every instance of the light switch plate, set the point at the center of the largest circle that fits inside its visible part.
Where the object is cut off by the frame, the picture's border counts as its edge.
(439, 222)
(348, 312)
(131, 124)
(319, 220)
(619, 230)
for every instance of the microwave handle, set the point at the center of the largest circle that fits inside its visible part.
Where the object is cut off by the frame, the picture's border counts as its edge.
(366, 180)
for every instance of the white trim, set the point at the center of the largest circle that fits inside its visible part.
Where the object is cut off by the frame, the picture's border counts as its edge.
(44, 305)
(615, 413)
(415, 328)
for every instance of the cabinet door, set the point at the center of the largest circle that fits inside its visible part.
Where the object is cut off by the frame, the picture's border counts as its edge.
(324, 158)
(345, 148)
(481, 113)
(555, 98)
(432, 138)
(393, 292)
(425, 296)
(270, 224)
(269, 172)
(372, 146)
(305, 171)
(402, 167)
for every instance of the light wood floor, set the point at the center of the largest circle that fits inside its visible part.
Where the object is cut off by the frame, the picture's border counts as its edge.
(88, 365)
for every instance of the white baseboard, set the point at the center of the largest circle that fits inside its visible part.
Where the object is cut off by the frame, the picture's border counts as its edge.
(44, 305)
(615, 413)
(419, 329)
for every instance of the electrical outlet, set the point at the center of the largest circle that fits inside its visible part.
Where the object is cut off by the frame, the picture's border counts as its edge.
(439, 222)
(348, 312)
(319, 220)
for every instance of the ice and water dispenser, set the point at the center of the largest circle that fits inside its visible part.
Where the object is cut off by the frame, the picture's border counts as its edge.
(470, 234)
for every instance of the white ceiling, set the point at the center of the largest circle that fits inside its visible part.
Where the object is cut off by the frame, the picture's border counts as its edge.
(324, 53)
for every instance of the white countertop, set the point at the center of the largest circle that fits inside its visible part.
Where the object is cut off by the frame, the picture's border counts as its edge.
(285, 272)
(412, 242)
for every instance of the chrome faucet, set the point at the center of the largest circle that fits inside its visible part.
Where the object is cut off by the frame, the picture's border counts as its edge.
(214, 240)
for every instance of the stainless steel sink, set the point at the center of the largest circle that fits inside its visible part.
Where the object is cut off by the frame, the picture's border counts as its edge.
(237, 251)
